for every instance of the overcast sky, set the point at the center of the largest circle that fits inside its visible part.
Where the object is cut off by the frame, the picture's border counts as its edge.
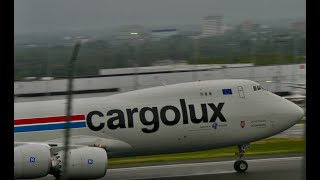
(56, 15)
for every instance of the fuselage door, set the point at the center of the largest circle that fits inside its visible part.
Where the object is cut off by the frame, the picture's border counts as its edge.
(241, 92)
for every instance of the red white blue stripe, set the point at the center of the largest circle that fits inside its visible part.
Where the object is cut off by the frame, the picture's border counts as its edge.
(48, 123)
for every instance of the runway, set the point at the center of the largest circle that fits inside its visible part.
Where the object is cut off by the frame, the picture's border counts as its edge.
(263, 169)
(270, 168)
(296, 131)
(266, 168)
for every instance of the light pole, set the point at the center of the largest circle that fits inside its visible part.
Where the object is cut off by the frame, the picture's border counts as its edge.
(48, 72)
(280, 38)
(136, 38)
(69, 105)
(195, 58)
(253, 40)
(231, 57)
(293, 70)
(231, 46)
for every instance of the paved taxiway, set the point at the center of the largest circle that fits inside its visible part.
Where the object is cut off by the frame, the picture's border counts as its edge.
(266, 168)
(269, 168)
(296, 131)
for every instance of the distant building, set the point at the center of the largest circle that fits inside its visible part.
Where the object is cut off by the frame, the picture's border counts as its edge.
(31, 45)
(226, 28)
(246, 26)
(159, 34)
(129, 34)
(256, 27)
(299, 26)
(166, 62)
(128, 79)
(212, 26)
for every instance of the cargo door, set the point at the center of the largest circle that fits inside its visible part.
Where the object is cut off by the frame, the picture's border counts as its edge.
(241, 92)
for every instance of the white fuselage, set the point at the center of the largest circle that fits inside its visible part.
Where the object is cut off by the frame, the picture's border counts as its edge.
(162, 119)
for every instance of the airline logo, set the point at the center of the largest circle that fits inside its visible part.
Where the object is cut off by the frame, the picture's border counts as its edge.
(48, 123)
(215, 125)
(118, 120)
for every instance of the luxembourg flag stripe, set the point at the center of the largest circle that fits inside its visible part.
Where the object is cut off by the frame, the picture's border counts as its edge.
(48, 127)
(47, 119)
(48, 123)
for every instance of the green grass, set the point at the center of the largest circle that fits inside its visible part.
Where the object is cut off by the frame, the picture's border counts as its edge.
(263, 147)
(302, 121)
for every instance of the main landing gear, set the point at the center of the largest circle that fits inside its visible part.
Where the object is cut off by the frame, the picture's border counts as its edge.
(241, 165)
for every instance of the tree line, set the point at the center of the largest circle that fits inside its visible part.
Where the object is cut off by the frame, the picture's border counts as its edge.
(264, 49)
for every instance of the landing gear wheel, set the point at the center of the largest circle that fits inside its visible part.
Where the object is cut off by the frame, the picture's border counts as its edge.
(240, 166)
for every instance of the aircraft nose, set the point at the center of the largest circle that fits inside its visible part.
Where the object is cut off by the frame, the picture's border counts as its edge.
(296, 112)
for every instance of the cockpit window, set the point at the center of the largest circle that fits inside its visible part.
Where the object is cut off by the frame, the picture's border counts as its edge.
(257, 88)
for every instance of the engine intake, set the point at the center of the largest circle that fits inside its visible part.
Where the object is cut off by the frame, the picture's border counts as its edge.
(31, 161)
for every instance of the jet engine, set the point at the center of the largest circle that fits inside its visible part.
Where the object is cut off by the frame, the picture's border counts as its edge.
(36, 161)
(31, 161)
(83, 163)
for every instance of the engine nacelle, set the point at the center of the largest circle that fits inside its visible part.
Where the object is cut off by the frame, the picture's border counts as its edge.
(31, 161)
(83, 163)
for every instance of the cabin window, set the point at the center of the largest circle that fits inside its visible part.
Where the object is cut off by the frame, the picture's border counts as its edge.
(210, 93)
(205, 93)
(259, 87)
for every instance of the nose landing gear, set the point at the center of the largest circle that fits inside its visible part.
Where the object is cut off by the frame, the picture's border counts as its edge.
(241, 165)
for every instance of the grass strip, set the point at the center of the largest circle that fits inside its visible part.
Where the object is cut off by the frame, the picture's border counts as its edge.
(262, 147)
(302, 121)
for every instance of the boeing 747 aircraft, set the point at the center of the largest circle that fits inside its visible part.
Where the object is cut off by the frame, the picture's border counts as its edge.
(166, 119)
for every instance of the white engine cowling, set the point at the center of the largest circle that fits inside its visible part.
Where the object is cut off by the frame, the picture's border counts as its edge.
(84, 163)
(31, 161)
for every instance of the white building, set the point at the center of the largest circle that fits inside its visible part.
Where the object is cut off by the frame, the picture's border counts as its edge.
(212, 26)
(299, 26)
(112, 81)
(159, 34)
(129, 34)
